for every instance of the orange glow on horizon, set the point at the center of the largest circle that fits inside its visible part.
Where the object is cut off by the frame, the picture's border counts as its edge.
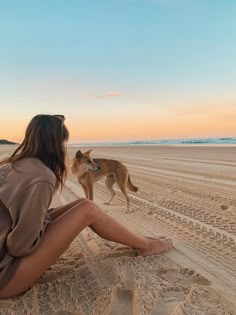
(171, 123)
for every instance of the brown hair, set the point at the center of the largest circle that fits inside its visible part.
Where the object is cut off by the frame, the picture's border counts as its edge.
(44, 139)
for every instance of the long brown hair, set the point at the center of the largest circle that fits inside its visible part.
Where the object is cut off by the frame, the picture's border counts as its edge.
(45, 139)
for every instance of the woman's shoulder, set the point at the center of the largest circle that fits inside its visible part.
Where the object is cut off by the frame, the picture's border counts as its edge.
(35, 169)
(19, 176)
(4, 171)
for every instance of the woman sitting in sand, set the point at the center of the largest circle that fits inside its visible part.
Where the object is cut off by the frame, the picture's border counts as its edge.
(33, 237)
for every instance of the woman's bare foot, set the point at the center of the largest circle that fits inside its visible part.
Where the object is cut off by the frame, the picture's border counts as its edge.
(156, 247)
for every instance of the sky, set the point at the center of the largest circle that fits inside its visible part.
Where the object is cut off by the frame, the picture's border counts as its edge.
(119, 70)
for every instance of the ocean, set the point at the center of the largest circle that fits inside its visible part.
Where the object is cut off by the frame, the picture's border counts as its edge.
(222, 140)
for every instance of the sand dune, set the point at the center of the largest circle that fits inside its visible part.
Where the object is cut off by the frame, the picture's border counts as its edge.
(187, 193)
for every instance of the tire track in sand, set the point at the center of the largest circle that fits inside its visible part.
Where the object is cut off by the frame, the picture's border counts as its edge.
(122, 299)
(213, 248)
(67, 196)
(172, 222)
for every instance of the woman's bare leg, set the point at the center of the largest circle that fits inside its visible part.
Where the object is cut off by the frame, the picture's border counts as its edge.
(56, 212)
(61, 232)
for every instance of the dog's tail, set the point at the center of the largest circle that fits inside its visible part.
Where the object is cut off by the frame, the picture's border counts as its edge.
(130, 186)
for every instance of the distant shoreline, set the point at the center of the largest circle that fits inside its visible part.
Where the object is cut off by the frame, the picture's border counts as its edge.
(220, 141)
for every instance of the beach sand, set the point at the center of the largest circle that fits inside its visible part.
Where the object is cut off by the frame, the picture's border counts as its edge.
(187, 193)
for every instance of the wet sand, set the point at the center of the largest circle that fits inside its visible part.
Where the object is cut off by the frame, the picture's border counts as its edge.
(187, 193)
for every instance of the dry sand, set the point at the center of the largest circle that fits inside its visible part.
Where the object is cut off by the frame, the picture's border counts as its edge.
(187, 193)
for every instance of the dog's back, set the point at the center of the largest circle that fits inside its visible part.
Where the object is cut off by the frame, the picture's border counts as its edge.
(108, 166)
(90, 170)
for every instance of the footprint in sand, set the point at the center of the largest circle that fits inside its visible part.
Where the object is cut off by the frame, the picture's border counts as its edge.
(224, 207)
(190, 277)
(169, 299)
(183, 276)
(123, 302)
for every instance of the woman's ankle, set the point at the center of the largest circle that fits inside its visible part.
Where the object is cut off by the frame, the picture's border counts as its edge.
(146, 244)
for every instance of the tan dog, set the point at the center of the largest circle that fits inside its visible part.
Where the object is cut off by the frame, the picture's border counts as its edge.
(88, 171)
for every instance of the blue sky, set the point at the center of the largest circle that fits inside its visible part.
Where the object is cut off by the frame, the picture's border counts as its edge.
(130, 63)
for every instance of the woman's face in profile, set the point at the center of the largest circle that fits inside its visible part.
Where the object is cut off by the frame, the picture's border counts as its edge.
(64, 144)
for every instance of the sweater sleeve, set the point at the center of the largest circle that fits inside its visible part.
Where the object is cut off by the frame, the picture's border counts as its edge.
(28, 212)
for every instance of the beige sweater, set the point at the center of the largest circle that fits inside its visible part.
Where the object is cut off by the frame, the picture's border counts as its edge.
(26, 191)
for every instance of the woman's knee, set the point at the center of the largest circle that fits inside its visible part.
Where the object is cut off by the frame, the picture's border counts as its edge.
(81, 200)
(89, 209)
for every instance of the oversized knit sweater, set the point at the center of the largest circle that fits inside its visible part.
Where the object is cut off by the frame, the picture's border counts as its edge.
(26, 191)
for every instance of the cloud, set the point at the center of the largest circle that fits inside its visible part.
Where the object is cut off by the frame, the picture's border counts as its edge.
(108, 95)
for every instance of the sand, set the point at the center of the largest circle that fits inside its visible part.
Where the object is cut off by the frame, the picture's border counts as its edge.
(187, 193)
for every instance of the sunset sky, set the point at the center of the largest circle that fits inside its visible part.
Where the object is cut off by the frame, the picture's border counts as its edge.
(119, 69)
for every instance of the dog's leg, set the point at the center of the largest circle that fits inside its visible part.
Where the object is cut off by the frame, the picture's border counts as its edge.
(85, 190)
(109, 182)
(121, 182)
(90, 191)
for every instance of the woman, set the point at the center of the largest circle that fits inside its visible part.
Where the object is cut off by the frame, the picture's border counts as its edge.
(33, 237)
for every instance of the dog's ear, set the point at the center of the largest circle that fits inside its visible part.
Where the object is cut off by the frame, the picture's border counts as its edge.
(88, 152)
(79, 154)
